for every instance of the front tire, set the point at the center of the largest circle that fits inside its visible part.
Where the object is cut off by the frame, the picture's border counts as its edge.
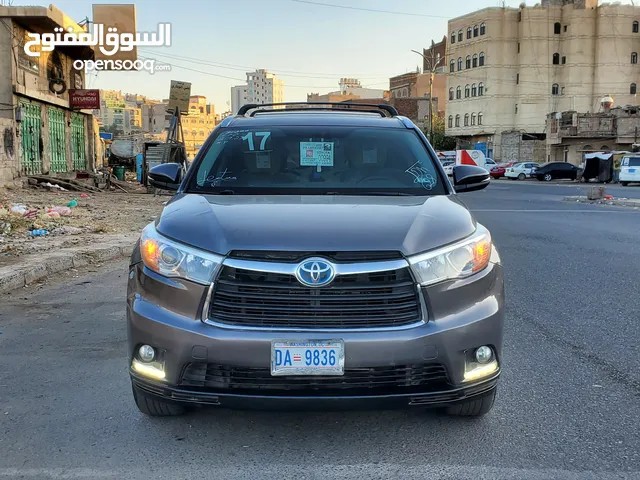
(476, 407)
(152, 407)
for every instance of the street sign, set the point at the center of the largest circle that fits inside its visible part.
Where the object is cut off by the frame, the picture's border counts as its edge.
(84, 99)
(106, 136)
(179, 96)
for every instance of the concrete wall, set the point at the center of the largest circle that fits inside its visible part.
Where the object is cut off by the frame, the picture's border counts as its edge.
(514, 149)
(9, 151)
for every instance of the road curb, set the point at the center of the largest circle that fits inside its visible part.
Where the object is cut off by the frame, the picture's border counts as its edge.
(36, 268)
(620, 202)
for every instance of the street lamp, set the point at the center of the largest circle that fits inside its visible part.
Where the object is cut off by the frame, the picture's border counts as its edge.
(432, 64)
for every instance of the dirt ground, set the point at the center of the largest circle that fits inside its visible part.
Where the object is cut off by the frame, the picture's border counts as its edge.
(96, 216)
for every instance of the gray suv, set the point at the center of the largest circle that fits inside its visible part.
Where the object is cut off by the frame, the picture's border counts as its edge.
(315, 256)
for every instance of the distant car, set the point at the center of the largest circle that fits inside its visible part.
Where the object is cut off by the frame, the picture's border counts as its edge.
(448, 168)
(629, 170)
(520, 170)
(556, 170)
(498, 171)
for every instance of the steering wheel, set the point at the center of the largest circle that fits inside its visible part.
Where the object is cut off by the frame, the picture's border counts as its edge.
(372, 178)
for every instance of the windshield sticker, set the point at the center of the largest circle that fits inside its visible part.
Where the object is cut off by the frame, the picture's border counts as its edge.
(370, 156)
(260, 140)
(263, 160)
(422, 176)
(225, 176)
(316, 154)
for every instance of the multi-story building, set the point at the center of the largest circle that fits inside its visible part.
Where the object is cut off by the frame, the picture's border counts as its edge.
(198, 124)
(435, 55)
(41, 132)
(509, 67)
(350, 89)
(155, 118)
(262, 87)
(239, 97)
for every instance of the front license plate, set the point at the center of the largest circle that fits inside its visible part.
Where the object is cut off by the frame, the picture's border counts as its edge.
(307, 357)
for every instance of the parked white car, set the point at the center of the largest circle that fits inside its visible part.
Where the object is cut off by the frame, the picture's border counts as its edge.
(520, 170)
(630, 170)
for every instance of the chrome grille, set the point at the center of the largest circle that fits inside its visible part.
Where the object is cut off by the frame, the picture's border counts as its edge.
(364, 300)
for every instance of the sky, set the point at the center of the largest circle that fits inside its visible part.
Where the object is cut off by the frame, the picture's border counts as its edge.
(309, 44)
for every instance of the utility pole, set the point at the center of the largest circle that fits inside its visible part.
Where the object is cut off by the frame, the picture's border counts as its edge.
(432, 65)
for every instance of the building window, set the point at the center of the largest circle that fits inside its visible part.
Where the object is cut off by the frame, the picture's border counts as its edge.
(473, 119)
(483, 29)
(459, 63)
(562, 91)
(468, 33)
(517, 78)
(516, 108)
(519, 16)
(453, 37)
(632, 89)
(518, 47)
(480, 118)
(636, 28)
(466, 119)
(468, 62)
(557, 28)
(565, 28)
(634, 58)
(556, 59)
(474, 90)
(467, 91)
(451, 93)
(480, 89)
(459, 35)
(555, 89)
(564, 60)
(452, 66)
(450, 121)
(458, 93)
(457, 120)
(476, 30)
(475, 60)
(481, 59)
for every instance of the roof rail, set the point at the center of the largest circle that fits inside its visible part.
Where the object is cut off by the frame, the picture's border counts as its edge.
(370, 107)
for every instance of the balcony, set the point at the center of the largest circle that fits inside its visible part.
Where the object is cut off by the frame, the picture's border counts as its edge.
(571, 125)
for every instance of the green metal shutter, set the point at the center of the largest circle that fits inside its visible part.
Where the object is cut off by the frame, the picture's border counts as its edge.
(30, 129)
(77, 142)
(57, 140)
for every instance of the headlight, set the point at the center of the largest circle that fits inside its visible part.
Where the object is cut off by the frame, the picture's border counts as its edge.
(454, 261)
(172, 259)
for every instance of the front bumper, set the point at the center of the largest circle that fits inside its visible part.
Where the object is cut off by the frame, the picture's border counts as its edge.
(462, 315)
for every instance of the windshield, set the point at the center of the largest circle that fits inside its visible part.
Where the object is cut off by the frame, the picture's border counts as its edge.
(317, 160)
(631, 162)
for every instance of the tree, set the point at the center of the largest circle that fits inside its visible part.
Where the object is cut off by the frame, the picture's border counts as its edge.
(440, 141)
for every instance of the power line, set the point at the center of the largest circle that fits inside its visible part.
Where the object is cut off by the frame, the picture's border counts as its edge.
(244, 79)
(345, 7)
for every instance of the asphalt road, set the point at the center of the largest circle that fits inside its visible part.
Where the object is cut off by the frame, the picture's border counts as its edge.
(567, 406)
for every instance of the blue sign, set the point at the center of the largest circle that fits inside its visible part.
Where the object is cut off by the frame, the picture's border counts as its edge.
(482, 146)
(106, 136)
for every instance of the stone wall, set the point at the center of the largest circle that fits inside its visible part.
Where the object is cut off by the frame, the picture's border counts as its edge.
(9, 151)
(514, 149)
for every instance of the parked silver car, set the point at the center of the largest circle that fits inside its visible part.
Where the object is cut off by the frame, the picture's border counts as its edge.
(314, 258)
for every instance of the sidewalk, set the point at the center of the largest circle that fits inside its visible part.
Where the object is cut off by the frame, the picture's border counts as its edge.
(621, 202)
(102, 226)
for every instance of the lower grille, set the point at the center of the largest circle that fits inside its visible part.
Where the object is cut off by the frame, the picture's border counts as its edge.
(356, 381)
(250, 298)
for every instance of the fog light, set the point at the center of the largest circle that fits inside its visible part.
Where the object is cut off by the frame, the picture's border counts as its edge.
(484, 354)
(147, 353)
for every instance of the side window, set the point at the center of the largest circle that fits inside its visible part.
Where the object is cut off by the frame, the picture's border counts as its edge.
(625, 162)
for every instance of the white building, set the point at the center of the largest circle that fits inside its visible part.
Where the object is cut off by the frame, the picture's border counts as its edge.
(509, 67)
(262, 87)
(239, 97)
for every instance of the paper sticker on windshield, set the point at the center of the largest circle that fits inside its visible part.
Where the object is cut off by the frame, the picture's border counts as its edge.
(370, 156)
(316, 154)
(263, 160)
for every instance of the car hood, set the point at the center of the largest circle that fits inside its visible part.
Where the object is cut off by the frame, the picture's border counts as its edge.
(221, 224)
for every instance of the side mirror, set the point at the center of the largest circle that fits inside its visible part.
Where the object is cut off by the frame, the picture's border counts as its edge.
(166, 176)
(468, 178)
